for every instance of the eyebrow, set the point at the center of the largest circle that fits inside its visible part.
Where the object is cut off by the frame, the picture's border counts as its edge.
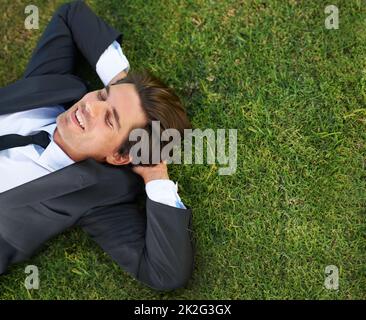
(115, 113)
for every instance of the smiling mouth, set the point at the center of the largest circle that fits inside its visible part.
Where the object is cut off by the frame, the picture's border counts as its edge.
(78, 119)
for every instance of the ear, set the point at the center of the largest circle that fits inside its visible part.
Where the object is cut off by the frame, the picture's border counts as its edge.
(117, 159)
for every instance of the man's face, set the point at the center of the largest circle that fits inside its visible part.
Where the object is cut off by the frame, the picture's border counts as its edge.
(96, 125)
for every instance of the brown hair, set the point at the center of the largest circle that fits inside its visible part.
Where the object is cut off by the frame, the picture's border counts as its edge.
(159, 103)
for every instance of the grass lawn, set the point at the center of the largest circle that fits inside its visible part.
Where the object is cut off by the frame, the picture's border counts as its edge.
(295, 91)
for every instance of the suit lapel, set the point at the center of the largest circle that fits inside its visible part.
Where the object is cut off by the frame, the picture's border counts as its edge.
(69, 179)
(39, 91)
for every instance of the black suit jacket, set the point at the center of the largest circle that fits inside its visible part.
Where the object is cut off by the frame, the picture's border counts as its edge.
(154, 244)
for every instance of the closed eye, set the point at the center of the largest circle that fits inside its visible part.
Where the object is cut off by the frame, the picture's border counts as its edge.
(108, 120)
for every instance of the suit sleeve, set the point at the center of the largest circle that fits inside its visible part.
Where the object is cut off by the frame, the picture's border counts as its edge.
(154, 246)
(74, 27)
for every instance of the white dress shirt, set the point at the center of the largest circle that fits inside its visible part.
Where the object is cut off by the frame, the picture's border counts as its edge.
(23, 164)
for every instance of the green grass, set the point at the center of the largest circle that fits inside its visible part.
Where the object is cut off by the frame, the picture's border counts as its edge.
(295, 91)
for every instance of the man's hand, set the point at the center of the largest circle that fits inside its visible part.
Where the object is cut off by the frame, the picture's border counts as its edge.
(159, 171)
(119, 76)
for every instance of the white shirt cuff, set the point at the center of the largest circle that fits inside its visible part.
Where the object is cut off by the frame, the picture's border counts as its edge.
(164, 191)
(111, 62)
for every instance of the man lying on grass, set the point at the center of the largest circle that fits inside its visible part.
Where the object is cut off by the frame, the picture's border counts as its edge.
(65, 155)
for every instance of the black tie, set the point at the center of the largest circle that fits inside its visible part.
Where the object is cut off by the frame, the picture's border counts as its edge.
(16, 140)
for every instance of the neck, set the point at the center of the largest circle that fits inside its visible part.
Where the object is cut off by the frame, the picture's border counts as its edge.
(70, 153)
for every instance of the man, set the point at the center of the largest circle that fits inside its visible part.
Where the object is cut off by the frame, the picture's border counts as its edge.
(65, 160)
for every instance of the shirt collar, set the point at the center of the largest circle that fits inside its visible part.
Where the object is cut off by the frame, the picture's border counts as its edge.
(53, 157)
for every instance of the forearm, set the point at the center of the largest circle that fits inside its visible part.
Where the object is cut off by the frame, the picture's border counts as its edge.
(167, 261)
(164, 191)
(158, 186)
(112, 65)
(157, 249)
(79, 18)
